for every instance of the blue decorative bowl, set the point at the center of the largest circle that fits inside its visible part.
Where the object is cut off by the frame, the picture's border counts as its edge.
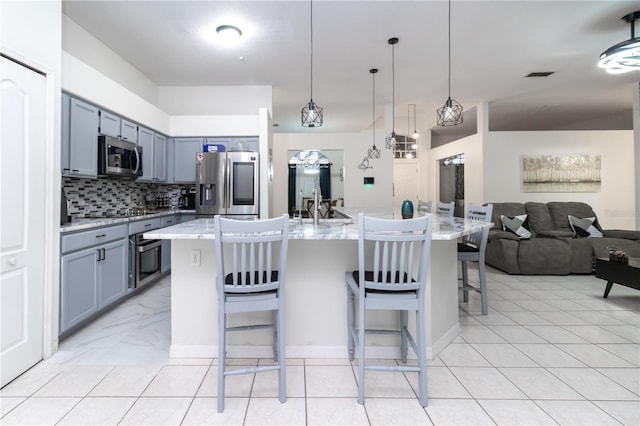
(407, 209)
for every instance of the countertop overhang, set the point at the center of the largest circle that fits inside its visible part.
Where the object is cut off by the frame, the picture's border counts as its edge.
(444, 228)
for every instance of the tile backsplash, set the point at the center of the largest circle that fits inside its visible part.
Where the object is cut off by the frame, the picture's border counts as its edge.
(107, 197)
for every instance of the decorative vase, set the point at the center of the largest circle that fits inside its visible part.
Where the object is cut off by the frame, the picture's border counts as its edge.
(407, 209)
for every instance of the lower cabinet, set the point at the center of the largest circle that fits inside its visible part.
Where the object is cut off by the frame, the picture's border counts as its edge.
(91, 278)
(165, 253)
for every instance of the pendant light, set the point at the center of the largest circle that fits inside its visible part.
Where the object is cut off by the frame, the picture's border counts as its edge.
(415, 135)
(311, 113)
(451, 113)
(374, 152)
(624, 56)
(390, 140)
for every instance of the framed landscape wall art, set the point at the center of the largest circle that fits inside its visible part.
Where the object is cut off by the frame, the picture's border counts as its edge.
(565, 173)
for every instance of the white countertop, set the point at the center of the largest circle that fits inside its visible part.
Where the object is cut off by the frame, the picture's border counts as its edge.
(444, 228)
(89, 223)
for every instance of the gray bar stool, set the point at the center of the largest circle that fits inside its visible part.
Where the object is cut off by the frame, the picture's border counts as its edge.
(247, 282)
(386, 280)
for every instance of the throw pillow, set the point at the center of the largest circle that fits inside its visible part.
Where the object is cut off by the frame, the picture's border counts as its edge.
(584, 227)
(519, 225)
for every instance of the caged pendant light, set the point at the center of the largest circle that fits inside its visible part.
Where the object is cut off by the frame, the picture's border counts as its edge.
(624, 56)
(374, 152)
(311, 113)
(390, 140)
(451, 113)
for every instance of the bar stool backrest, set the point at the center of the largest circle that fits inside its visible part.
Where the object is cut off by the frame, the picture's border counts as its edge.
(445, 209)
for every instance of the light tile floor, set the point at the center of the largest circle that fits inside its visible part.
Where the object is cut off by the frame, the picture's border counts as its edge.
(551, 351)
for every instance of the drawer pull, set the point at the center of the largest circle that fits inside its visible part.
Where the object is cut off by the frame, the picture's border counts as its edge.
(147, 225)
(101, 235)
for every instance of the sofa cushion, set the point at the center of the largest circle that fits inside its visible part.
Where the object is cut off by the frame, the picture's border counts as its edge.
(584, 227)
(539, 217)
(559, 211)
(519, 225)
(506, 209)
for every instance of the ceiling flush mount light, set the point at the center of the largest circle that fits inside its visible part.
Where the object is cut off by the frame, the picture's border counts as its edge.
(311, 113)
(451, 113)
(229, 32)
(625, 56)
(374, 152)
(390, 140)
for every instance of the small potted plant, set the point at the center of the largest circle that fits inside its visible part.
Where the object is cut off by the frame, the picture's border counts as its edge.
(617, 255)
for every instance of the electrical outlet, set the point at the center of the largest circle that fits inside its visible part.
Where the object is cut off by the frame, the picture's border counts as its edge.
(195, 257)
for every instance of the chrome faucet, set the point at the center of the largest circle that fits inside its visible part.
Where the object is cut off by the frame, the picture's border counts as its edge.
(316, 206)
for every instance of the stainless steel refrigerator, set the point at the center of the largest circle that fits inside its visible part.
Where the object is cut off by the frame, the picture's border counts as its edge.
(227, 184)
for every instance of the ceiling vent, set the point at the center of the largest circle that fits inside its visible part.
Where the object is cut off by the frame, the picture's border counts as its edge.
(539, 74)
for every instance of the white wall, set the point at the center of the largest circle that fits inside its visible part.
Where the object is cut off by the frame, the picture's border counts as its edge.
(614, 204)
(30, 31)
(214, 100)
(215, 125)
(356, 196)
(82, 45)
(86, 82)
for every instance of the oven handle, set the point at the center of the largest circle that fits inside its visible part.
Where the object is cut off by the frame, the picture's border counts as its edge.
(146, 247)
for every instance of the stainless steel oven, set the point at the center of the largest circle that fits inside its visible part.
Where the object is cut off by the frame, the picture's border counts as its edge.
(146, 260)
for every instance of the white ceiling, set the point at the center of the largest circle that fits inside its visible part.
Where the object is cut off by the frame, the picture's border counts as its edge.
(494, 44)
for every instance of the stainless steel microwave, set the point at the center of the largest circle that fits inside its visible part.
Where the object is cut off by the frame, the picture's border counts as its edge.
(118, 158)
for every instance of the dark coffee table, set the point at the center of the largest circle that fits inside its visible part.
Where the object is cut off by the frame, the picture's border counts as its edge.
(619, 273)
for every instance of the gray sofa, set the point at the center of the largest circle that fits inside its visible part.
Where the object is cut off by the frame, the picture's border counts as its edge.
(553, 248)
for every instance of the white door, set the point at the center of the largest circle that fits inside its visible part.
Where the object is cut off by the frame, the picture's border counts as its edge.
(405, 183)
(22, 201)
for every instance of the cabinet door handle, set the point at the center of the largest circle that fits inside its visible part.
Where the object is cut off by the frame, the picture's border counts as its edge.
(104, 254)
(99, 255)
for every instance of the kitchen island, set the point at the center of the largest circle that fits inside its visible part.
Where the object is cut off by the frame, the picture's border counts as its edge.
(316, 323)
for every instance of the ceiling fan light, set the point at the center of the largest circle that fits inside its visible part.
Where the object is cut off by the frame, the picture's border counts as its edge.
(621, 58)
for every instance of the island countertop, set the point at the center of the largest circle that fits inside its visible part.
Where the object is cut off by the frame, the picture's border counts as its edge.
(444, 228)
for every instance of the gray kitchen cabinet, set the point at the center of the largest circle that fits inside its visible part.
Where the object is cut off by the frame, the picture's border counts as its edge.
(165, 253)
(159, 158)
(186, 217)
(65, 118)
(184, 159)
(78, 287)
(225, 142)
(154, 156)
(114, 272)
(128, 131)
(81, 152)
(146, 141)
(93, 273)
(244, 144)
(109, 124)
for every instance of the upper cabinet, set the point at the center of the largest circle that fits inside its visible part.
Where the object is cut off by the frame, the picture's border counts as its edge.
(128, 131)
(154, 152)
(117, 127)
(160, 158)
(79, 147)
(109, 124)
(145, 140)
(184, 159)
